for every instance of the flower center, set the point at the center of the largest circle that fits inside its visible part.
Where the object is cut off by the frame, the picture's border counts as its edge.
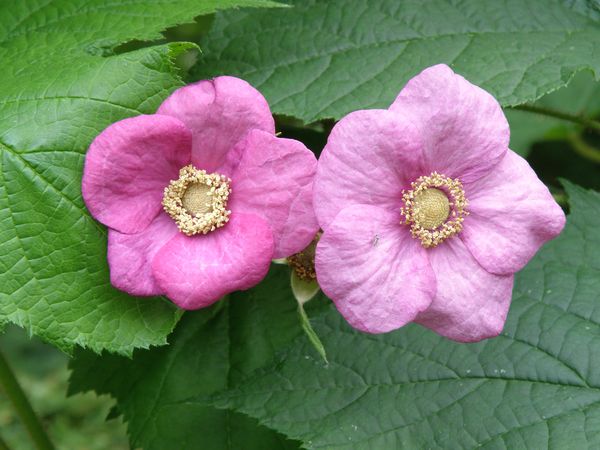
(431, 207)
(197, 201)
(434, 208)
(303, 263)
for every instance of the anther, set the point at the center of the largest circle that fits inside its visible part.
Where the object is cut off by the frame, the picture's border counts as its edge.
(303, 263)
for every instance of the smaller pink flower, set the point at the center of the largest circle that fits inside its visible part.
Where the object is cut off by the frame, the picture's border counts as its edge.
(426, 212)
(201, 196)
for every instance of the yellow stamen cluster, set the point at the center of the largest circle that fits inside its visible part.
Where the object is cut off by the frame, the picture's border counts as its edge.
(197, 201)
(435, 208)
(303, 263)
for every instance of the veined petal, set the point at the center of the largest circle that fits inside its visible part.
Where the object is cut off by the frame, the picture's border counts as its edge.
(465, 133)
(512, 214)
(128, 166)
(219, 113)
(196, 271)
(378, 276)
(273, 178)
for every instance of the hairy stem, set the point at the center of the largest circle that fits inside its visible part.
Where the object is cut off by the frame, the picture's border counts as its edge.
(581, 120)
(12, 389)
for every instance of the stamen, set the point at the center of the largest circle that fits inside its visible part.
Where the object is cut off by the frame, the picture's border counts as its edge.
(435, 208)
(197, 201)
(303, 263)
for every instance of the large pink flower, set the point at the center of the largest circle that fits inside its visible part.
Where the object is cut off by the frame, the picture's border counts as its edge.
(426, 212)
(200, 196)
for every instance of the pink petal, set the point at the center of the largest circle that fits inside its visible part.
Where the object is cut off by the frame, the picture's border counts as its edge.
(370, 156)
(128, 166)
(464, 129)
(130, 256)
(219, 112)
(274, 179)
(378, 276)
(471, 304)
(196, 271)
(512, 214)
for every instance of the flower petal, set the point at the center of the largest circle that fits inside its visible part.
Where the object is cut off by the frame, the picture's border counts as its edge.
(219, 113)
(378, 276)
(273, 179)
(196, 271)
(130, 256)
(464, 129)
(128, 166)
(512, 214)
(370, 156)
(471, 304)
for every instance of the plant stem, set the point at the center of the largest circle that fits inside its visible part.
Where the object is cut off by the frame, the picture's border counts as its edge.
(586, 122)
(12, 389)
(3, 445)
(583, 149)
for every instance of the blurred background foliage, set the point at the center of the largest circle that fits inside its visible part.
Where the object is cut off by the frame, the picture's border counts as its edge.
(556, 148)
(73, 423)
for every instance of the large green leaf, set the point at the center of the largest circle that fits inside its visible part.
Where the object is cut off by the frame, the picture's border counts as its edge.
(325, 58)
(535, 386)
(209, 351)
(60, 85)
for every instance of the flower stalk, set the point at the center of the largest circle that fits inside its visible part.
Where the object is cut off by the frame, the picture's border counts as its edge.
(10, 386)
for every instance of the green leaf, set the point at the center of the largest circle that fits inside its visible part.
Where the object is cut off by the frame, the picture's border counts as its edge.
(535, 386)
(580, 97)
(210, 350)
(323, 59)
(57, 92)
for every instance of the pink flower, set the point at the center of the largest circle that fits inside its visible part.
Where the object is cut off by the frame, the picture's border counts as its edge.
(426, 212)
(200, 196)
